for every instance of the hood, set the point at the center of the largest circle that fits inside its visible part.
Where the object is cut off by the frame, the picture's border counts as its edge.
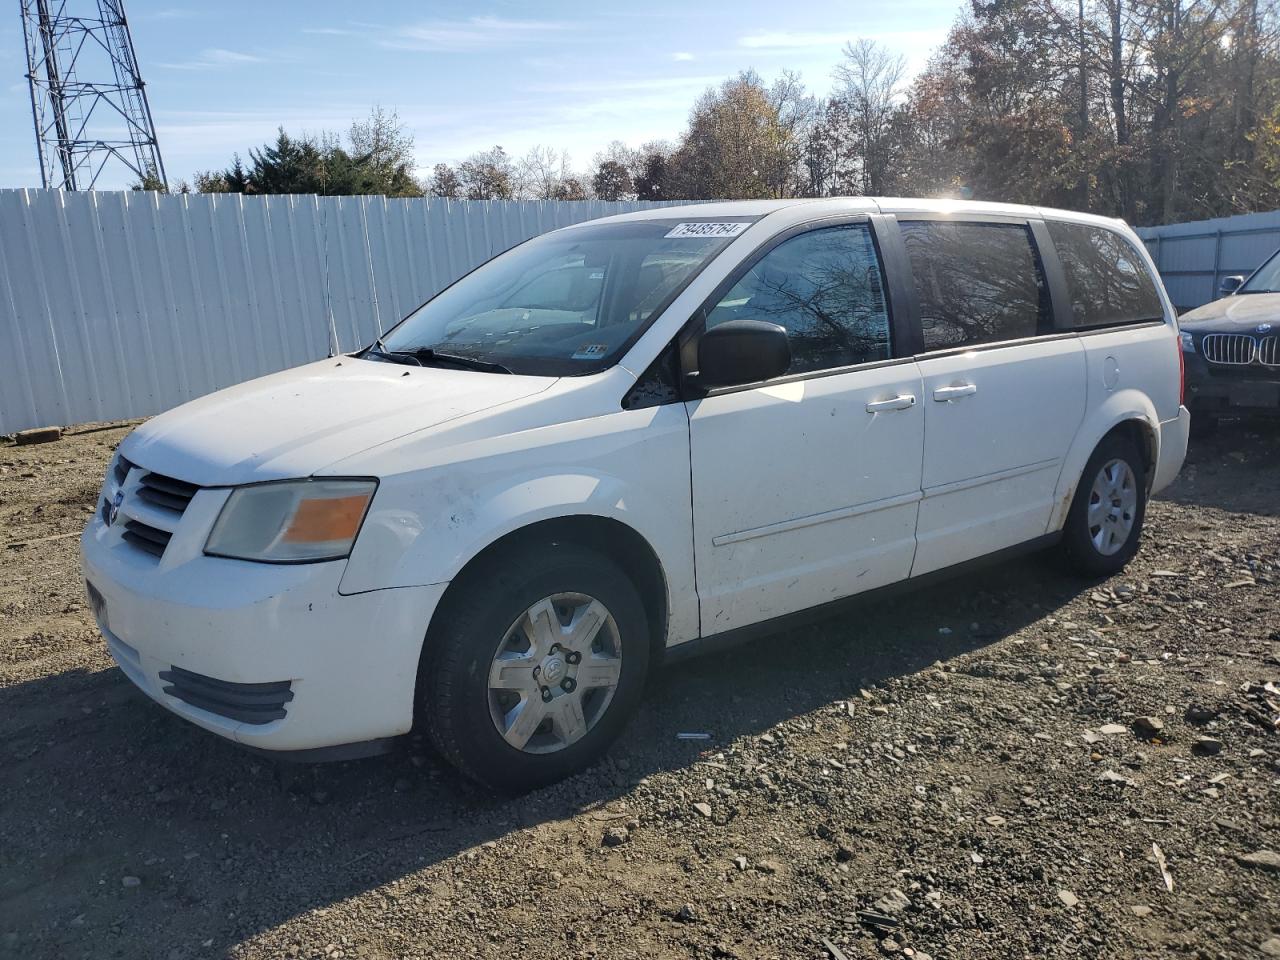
(1238, 314)
(293, 423)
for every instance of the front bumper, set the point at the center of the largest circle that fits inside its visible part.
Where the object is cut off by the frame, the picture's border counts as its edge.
(281, 660)
(1226, 390)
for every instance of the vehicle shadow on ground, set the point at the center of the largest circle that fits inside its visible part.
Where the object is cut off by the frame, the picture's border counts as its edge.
(227, 844)
(1234, 469)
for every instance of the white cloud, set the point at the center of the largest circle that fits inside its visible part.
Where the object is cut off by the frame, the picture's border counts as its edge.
(215, 58)
(682, 56)
(477, 33)
(789, 40)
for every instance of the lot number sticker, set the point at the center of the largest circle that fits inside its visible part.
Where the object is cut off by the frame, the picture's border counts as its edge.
(707, 229)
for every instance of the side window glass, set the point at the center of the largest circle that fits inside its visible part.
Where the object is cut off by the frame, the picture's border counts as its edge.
(825, 287)
(1106, 278)
(976, 282)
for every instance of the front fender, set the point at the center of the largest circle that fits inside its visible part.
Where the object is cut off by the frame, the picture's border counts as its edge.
(1121, 406)
(426, 524)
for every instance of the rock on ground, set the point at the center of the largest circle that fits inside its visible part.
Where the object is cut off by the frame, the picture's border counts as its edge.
(866, 757)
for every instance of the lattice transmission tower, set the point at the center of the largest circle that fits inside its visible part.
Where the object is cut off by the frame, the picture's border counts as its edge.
(87, 97)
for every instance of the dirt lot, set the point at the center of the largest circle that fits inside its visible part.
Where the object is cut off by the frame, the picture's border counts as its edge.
(964, 773)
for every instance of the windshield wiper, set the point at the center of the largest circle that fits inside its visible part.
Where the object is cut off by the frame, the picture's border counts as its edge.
(424, 356)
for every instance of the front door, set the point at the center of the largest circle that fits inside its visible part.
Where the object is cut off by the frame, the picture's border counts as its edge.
(805, 489)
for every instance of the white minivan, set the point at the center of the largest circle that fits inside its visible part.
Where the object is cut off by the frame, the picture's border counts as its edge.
(624, 441)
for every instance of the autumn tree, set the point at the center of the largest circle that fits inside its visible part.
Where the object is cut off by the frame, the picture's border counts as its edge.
(487, 175)
(611, 181)
(650, 172)
(737, 145)
(444, 182)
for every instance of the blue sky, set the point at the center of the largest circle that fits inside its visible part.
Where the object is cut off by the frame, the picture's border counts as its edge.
(572, 74)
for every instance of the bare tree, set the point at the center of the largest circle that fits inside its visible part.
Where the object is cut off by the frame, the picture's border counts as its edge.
(870, 91)
(541, 173)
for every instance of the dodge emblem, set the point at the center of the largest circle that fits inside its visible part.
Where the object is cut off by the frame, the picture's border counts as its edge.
(113, 508)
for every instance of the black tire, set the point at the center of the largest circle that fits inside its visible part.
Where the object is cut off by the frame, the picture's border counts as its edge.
(478, 611)
(1078, 548)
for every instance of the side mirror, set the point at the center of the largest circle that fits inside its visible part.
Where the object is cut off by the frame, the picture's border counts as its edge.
(742, 351)
(1229, 285)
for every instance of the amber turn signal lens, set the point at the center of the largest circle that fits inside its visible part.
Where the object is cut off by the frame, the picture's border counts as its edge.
(326, 519)
(291, 521)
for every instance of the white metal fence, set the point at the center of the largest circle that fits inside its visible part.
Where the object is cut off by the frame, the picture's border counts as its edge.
(1194, 257)
(122, 304)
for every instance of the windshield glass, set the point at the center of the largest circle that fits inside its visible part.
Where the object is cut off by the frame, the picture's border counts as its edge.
(1266, 279)
(565, 303)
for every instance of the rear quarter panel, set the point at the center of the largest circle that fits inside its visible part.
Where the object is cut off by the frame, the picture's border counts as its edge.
(1132, 375)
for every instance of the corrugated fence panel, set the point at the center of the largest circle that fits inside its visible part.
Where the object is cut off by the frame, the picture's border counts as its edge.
(1194, 257)
(122, 304)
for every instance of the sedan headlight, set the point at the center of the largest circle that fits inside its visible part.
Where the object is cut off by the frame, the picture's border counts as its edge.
(1188, 342)
(291, 521)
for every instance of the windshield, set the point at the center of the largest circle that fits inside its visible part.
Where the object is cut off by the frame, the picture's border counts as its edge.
(563, 304)
(1266, 279)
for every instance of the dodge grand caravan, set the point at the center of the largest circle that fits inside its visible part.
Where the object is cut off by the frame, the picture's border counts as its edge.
(624, 441)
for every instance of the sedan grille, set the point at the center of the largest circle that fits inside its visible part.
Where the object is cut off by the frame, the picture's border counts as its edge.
(1233, 348)
(255, 703)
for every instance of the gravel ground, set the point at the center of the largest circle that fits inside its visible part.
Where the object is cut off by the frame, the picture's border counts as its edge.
(1012, 764)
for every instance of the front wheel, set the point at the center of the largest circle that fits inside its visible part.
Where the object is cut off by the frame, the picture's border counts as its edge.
(1105, 521)
(538, 662)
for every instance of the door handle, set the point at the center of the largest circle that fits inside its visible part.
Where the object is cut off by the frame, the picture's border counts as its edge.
(944, 394)
(904, 402)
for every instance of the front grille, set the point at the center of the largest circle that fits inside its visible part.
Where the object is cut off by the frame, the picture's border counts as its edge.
(1234, 348)
(120, 470)
(170, 495)
(166, 492)
(1269, 351)
(255, 703)
(146, 537)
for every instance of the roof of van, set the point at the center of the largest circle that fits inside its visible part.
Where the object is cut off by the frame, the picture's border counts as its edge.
(760, 208)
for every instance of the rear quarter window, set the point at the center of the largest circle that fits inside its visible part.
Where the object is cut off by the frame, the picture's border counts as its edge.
(1107, 280)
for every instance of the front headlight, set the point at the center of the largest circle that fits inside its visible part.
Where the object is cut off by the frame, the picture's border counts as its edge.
(291, 521)
(1188, 342)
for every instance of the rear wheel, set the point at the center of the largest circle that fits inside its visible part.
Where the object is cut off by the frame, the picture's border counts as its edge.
(1104, 524)
(538, 661)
